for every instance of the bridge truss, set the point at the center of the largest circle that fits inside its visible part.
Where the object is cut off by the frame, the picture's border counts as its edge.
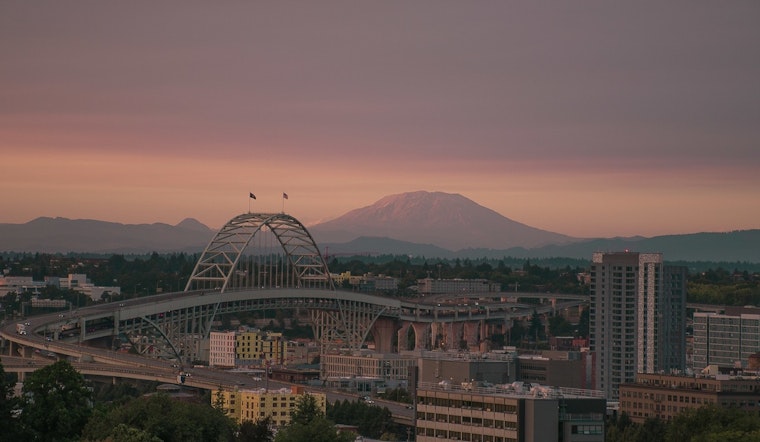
(175, 329)
(280, 253)
(254, 251)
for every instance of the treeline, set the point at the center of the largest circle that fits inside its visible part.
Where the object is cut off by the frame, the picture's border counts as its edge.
(141, 275)
(706, 424)
(57, 404)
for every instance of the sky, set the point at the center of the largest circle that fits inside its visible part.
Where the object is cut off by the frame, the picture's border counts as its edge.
(591, 119)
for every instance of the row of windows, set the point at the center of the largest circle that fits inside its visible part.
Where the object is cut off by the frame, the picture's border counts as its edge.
(461, 403)
(587, 429)
(456, 435)
(252, 415)
(467, 420)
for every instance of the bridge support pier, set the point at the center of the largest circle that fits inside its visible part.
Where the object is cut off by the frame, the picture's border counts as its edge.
(421, 336)
(383, 331)
(472, 335)
(401, 336)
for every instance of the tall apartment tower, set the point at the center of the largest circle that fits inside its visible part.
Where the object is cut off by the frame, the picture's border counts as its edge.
(637, 321)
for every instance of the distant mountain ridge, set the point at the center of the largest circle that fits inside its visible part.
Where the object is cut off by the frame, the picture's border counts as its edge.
(430, 224)
(737, 246)
(63, 235)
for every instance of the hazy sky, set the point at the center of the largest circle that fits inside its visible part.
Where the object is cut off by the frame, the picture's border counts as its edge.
(590, 118)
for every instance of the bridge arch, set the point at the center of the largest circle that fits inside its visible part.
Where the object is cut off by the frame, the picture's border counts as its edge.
(302, 265)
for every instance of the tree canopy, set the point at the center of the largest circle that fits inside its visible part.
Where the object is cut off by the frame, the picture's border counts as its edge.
(10, 424)
(162, 417)
(56, 403)
(705, 424)
(309, 424)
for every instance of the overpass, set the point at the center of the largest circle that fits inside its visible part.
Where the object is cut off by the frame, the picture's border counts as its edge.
(173, 325)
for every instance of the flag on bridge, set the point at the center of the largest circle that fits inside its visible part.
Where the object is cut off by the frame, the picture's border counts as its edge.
(252, 195)
(284, 195)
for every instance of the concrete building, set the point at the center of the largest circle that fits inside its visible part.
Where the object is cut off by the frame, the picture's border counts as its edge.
(222, 349)
(508, 413)
(75, 281)
(453, 367)
(572, 369)
(368, 370)
(252, 346)
(369, 282)
(372, 283)
(726, 340)
(300, 352)
(663, 396)
(253, 405)
(430, 286)
(637, 318)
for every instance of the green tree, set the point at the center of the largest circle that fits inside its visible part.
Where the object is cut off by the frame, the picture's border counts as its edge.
(309, 424)
(125, 433)
(706, 423)
(56, 403)
(164, 418)
(259, 431)
(536, 329)
(559, 326)
(306, 410)
(11, 428)
(318, 429)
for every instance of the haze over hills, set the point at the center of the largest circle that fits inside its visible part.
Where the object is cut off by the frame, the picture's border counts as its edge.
(430, 224)
(63, 235)
(446, 220)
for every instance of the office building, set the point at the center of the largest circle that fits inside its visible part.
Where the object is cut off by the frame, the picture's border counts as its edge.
(455, 367)
(508, 413)
(366, 371)
(664, 396)
(726, 340)
(572, 369)
(637, 317)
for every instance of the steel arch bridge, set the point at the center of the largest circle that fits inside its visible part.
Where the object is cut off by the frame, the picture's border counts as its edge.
(255, 262)
(223, 264)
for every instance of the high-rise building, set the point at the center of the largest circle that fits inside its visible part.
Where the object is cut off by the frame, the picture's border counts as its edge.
(637, 317)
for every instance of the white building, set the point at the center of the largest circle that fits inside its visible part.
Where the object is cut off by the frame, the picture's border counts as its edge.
(222, 349)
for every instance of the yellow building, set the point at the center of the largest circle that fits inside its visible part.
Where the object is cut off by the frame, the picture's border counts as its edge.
(253, 405)
(256, 345)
